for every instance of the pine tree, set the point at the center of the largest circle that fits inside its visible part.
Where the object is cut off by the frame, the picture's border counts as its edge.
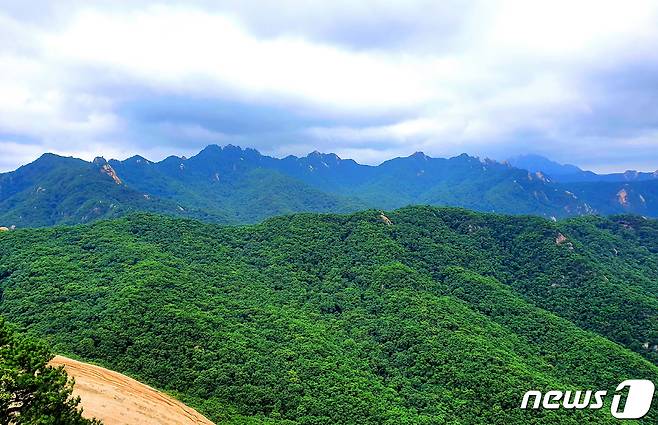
(31, 392)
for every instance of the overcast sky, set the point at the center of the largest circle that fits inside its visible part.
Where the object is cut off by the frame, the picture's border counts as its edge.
(573, 80)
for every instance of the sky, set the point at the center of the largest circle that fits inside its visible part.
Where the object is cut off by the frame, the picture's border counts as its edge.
(368, 80)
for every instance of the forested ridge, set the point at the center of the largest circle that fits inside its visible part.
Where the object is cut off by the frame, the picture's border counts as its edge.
(231, 185)
(420, 316)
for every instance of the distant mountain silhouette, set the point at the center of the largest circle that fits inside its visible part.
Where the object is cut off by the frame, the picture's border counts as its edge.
(554, 169)
(571, 173)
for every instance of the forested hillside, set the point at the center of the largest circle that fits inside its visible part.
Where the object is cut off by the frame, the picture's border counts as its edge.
(417, 316)
(58, 190)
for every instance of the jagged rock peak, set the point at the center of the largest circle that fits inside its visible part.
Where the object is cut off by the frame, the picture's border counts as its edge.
(211, 149)
(215, 149)
(138, 159)
(419, 155)
(465, 156)
(231, 147)
(318, 154)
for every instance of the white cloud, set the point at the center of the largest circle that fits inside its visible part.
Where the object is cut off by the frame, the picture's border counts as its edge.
(460, 75)
(563, 27)
(176, 48)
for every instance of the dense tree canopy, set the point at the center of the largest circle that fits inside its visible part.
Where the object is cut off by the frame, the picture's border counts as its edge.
(418, 316)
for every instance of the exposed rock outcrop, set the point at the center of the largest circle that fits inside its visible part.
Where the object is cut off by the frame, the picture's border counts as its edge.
(106, 168)
(542, 177)
(622, 198)
(560, 239)
(385, 219)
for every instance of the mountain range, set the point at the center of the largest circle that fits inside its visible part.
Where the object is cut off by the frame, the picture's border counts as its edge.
(233, 185)
(568, 173)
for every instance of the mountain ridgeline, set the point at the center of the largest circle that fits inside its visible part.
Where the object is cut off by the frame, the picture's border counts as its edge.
(417, 316)
(571, 174)
(235, 185)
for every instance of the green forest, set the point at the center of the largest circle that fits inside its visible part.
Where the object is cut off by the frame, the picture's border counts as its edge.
(421, 315)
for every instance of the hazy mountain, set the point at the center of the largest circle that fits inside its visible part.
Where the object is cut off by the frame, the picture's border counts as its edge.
(538, 163)
(570, 173)
(241, 185)
(465, 181)
(627, 176)
(234, 185)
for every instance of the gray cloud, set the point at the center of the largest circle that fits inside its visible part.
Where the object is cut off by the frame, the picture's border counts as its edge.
(368, 80)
